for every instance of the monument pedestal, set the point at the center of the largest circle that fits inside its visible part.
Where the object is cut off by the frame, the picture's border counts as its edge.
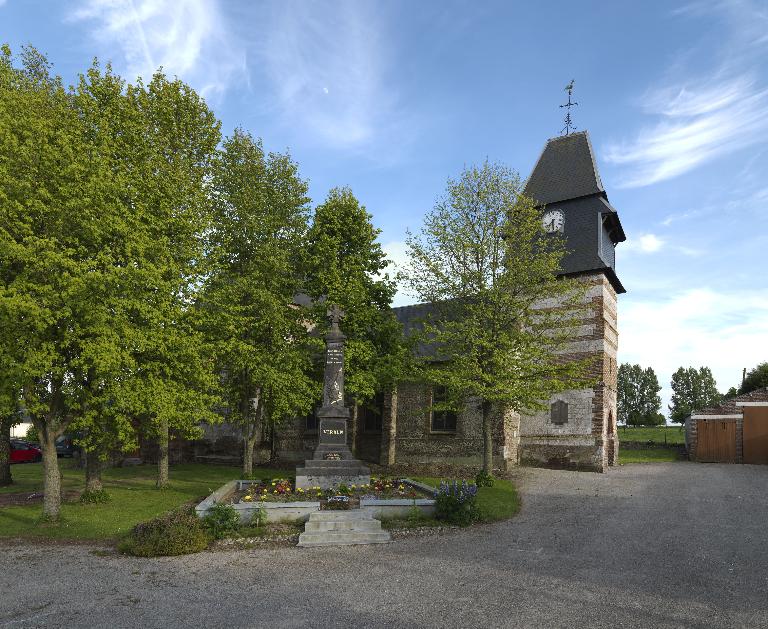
(332, 463)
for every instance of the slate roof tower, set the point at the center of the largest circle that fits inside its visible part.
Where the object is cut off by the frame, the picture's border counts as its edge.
(565, 179)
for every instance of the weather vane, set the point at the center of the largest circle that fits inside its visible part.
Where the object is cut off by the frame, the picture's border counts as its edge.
(569, 126)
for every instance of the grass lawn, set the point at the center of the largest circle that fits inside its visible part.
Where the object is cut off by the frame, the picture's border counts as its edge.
(134, 499)
(659, 455)
(499, 502)
(674, 435)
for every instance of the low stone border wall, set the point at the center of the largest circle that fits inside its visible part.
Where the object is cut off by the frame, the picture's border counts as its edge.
(301, 510)
(400, 508)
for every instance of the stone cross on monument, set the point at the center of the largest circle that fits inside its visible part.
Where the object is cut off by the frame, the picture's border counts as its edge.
(332, 462)
(335, 314)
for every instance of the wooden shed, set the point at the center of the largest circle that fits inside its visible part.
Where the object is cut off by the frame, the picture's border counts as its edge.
(735, 432)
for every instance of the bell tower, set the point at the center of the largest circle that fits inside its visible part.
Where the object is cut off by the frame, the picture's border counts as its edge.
(579, 429)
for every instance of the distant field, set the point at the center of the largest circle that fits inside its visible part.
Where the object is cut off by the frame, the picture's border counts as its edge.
(658, 455)
(657, 434)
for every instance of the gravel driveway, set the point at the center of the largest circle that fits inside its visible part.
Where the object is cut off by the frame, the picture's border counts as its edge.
(662, 545)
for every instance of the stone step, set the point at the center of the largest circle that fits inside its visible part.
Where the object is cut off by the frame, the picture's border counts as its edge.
(319, 526)
(342, 528)
(343, 538)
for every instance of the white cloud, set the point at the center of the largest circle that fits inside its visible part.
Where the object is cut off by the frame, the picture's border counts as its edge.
(697, 124)
(725, 331)
(645, 243)
(703, 115)
(327, 65)
(188, 38)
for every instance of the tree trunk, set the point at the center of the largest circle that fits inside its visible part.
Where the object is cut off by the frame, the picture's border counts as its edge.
(162, 459)
(5, 452)
(52, 476)
(389, 430)
(249, 443)
(487, 438)
(92, 471)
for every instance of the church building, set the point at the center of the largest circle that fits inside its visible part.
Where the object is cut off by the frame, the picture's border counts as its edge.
(579, 429)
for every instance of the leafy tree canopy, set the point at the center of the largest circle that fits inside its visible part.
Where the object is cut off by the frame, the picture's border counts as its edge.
(259, 337)
(639, 403)
(756, 378)
(692, 389)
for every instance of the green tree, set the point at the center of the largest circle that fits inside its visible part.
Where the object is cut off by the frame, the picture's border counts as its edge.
(260, 340)
(484, 261)
(60, 220)
(101, 217)
(638, 401)
(345, 265)
(173, 382)
(692, 389)
(756, 378)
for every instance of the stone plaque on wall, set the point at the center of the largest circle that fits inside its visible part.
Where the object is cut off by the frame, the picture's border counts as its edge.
(559, 413)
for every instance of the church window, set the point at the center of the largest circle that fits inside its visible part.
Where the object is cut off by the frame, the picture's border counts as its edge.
(442, 420)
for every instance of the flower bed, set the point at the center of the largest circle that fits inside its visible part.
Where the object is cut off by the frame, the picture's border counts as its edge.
(282, 490)
(281, 502)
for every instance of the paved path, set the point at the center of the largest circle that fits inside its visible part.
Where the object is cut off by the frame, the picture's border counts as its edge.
(663, 545)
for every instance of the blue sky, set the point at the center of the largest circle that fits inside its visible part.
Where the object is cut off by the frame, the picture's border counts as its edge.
(391, 98)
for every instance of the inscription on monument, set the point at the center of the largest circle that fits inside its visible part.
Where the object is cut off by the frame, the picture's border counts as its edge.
(333, 431)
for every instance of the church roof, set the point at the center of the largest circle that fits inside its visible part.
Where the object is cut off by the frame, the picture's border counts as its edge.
(566, 170)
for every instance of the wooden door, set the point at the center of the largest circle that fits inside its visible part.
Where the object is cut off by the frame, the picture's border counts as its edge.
(716, 441)
(756, 434)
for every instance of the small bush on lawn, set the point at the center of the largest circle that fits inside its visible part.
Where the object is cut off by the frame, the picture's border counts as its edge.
(221, 520)
(176, 533)
(456, 502)
(95, 497)
(483, 479)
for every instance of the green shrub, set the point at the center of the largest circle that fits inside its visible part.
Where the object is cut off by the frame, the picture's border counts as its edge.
(259, 517)
(483, 479)
(415, 515)
(95, 497)
(456, 503)
(176, 533)
(220, 520)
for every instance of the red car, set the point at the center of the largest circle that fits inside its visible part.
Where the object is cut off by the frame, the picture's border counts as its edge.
(23, 452)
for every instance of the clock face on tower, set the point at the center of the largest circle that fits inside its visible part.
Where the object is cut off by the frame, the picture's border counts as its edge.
(553, 221)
